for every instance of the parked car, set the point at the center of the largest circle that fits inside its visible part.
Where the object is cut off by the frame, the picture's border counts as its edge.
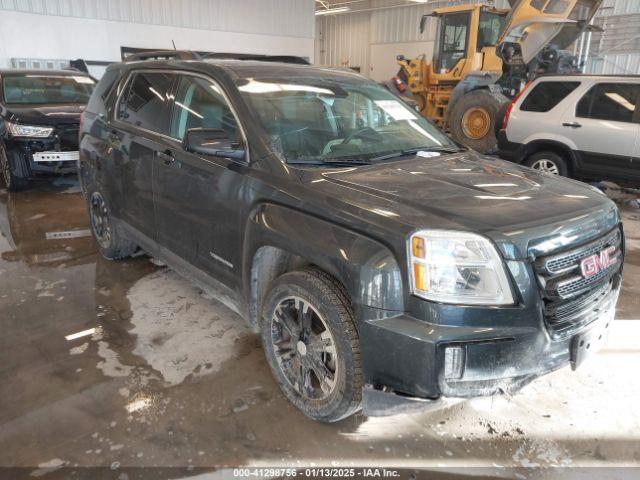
(376, 258)
(576, 126)
(39, 121)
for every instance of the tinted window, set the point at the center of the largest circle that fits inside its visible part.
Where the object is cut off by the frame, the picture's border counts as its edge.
(546, 95)
(144, 102)
(609, 101)
(538, 4)
(199, 103)
(557, 6)
(490, 28)
(102, 90)
(40, 89)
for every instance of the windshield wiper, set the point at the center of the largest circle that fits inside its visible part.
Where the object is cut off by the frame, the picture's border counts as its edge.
(411, 151)
(331, 162)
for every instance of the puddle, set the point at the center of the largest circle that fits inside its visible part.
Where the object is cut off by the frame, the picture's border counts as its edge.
(179, 332)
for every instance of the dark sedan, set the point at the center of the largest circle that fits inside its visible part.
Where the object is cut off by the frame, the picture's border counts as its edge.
(39, 122)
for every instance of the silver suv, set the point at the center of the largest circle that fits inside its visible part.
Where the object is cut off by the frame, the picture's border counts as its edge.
(580, 126)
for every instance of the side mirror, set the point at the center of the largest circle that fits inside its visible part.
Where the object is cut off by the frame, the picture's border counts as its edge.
(212, 141)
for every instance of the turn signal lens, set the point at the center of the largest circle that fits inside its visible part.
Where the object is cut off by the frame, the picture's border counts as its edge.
(417, 247)
(420, 276)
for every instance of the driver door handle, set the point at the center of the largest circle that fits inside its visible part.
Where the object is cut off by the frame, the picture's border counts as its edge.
(572, 124)
(166, 157)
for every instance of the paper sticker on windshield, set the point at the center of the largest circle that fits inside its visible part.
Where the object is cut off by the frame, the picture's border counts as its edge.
(427, 154)
(83, 80)
(396, 110)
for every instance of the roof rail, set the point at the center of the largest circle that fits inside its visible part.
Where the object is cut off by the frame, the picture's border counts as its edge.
(263, 58)
(163, 55)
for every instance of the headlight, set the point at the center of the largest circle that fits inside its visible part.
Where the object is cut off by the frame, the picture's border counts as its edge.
(457, 267)
(32, 131)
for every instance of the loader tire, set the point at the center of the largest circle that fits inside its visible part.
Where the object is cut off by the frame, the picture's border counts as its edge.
(473, 119)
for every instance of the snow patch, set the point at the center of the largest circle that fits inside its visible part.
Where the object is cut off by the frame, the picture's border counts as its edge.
(79, 349)
(48, 467)
(179, 331)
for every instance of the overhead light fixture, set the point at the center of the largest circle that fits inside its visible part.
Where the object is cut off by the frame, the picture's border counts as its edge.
(418, 1)
(331, 11)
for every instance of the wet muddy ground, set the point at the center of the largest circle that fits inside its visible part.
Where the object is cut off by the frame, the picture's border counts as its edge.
(124, 364)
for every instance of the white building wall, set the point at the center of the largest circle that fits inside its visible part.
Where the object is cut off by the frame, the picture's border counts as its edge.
(96, 29)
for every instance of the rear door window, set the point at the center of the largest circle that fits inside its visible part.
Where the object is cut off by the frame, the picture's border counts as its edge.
(610, 101)
(546, 95)
(144, 103)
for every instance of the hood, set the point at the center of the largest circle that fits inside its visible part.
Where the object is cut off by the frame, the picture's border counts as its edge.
(46, 115)
(533, 24)
(469, 192)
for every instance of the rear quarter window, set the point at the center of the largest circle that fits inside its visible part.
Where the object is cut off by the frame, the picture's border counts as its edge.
(101, 92)
(546, 95)
(610, 101)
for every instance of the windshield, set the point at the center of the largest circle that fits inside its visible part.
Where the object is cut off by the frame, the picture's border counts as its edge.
(329, 119)
(40, 89)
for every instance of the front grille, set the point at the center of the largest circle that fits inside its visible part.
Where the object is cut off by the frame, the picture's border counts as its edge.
(563, 318)
(571, 300)
(568, 261)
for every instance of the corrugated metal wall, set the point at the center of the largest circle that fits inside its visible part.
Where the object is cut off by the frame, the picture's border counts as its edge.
(616, 50)
(345, 39)
(399, 25)
(293, 18)
(620, 7)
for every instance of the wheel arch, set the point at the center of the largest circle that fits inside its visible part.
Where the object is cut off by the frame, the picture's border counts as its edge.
(480, 80)
(560, 148)
(279, 239)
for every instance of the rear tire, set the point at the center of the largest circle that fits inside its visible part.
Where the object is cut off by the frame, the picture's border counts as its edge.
(314, 355)
(111, 241)
(473, 119)
(549, 162)
(13, 165)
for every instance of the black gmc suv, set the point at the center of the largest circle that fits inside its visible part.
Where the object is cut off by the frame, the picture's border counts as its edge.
(381, 263)
(39, 122)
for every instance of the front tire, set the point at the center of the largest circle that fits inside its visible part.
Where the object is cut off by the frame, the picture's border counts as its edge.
(312, 346)
(112, 243)
(10, 163)
(548, 162)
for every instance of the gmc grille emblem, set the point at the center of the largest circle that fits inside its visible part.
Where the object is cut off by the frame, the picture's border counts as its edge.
(597, 262)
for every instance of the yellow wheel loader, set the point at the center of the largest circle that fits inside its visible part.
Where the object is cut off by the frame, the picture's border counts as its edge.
(483, 57)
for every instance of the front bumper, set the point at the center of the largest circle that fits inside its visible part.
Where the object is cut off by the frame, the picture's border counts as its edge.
(45, 156)
(407, 355)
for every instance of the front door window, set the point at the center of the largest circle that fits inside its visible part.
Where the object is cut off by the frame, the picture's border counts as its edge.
(199, 103)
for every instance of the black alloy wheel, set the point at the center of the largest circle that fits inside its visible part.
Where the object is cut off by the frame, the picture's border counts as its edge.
(100, 223)
(311, 343)
(304, 348)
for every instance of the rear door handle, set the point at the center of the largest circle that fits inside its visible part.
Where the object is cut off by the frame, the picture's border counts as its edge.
(572, 124)
(166, 157)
